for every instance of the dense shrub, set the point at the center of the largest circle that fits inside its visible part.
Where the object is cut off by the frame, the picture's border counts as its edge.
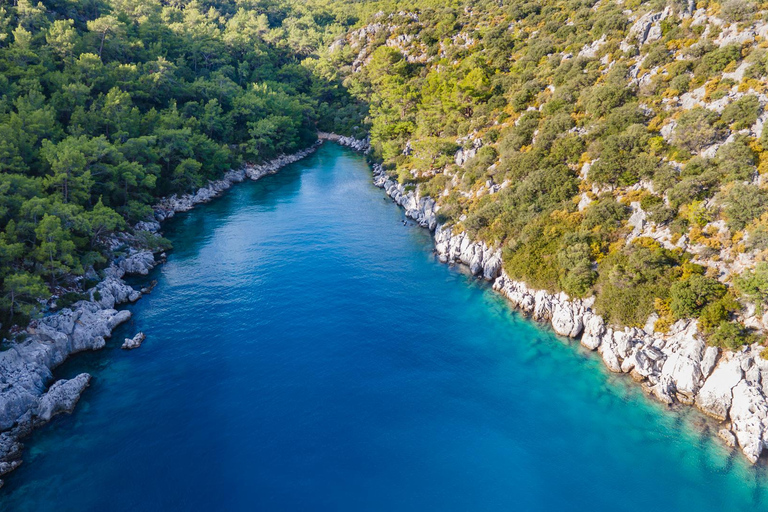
(631, 280)
(730, 335)
(575, 261)
(606, 213)
(753, 284)
(742, 113)
(690, 296)
(738, 10)
(696, 129)
(744, 203)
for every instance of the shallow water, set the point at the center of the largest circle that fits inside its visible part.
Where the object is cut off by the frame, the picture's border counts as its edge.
(305, 351)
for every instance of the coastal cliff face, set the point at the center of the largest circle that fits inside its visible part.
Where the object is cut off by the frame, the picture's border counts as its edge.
(28, 397)
(673, 367)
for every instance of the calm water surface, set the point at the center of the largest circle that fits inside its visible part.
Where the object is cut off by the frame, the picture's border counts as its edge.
(305, 351)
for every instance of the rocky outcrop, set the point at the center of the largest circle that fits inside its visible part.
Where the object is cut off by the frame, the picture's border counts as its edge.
(61, 397)
(135, 342)
(362, 145)
(647, 28)
(139, 262)
(422, 209)
(459, 248)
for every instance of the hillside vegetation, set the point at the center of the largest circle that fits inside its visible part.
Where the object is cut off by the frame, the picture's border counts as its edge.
(614, 149)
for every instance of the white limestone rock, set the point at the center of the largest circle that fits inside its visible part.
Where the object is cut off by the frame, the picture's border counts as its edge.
(684, 350)
(566, 321)
(749, 419)
(647, 28)
(594, 329)
(716, 395)
(608, 350)
(709, 361)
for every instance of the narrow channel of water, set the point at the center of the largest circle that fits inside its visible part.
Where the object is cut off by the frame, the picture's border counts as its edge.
(305, 351)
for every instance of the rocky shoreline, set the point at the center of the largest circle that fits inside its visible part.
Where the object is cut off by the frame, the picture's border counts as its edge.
(26, 368)
(673, 367)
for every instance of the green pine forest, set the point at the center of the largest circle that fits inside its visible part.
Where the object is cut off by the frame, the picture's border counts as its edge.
(573, 123)
(107, 105)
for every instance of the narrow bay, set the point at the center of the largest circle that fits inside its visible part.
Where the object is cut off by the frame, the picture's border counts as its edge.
(306, 351)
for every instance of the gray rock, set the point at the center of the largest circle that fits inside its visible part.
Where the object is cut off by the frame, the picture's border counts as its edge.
(135, 342)
(715, 397)
(566, 321)
(140, 262)
(61, 397)
(749, 418)
(709, 361)
(152, 226)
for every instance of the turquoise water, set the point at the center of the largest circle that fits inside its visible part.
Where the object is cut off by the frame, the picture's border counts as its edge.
(305, 351)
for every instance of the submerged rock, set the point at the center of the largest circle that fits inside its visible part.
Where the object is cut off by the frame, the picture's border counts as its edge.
(151, 286)
(727, 436)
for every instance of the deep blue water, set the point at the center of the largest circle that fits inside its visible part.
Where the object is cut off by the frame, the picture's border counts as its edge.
(305, 351)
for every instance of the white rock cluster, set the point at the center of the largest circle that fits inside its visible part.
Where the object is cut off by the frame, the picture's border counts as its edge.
(648, 27)
(422, 209)
(482, 260)
(362, 145)
(676, 366)
(255, 172)
(138, 262)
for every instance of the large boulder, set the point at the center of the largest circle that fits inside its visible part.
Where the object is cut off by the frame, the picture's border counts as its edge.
(716, 395)
(594, 329)
(566, 320)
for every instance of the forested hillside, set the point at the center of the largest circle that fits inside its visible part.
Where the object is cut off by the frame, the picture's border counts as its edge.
(614, 149)
(106, 105)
